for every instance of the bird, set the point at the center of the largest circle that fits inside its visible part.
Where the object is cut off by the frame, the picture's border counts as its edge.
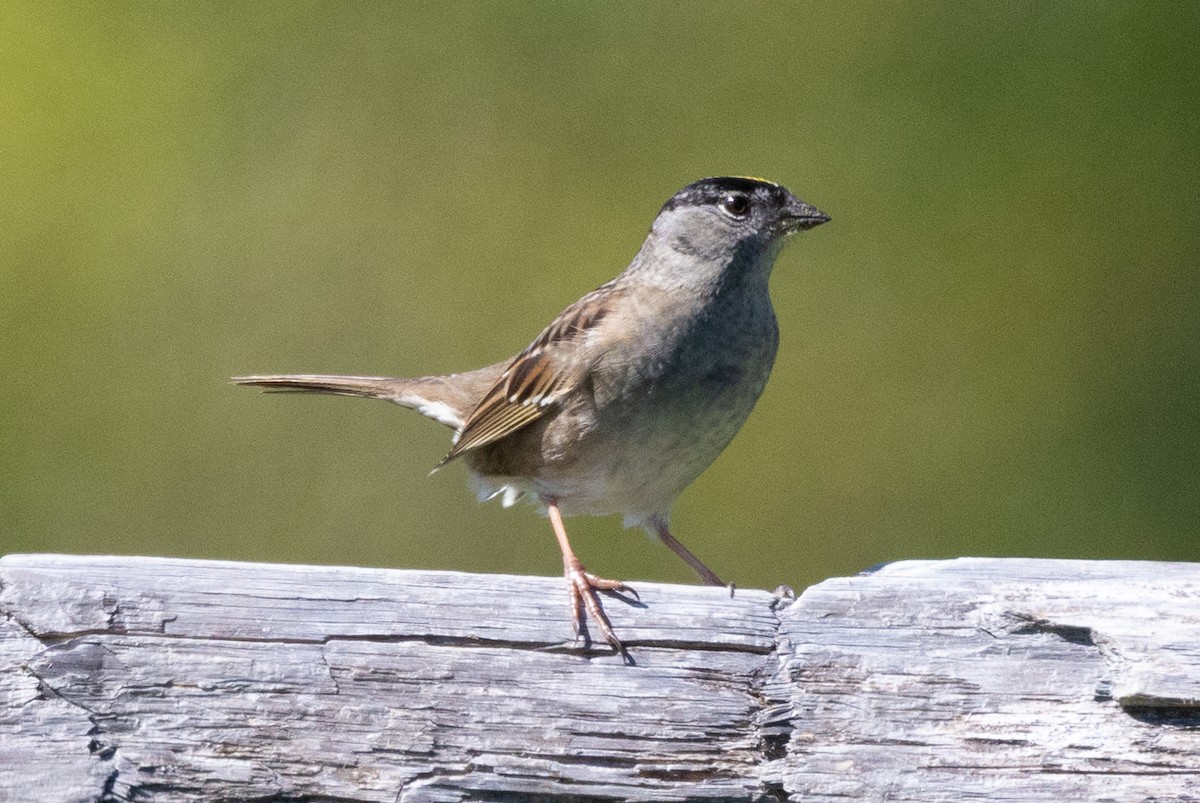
(631, 392)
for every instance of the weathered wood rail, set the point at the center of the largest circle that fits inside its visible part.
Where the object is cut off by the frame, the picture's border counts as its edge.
(972, 679)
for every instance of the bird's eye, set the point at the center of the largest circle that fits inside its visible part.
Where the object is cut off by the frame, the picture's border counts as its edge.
(736, 205)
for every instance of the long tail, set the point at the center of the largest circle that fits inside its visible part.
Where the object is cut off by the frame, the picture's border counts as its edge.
(432, 396)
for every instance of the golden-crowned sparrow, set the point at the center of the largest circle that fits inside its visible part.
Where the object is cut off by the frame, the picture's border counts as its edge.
(633, 390)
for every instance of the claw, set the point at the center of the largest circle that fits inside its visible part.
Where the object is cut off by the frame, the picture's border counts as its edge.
(583, 586)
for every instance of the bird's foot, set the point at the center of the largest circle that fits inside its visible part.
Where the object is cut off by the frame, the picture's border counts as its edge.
(583, 586)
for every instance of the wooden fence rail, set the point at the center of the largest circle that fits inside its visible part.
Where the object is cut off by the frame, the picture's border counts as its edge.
(973, 679)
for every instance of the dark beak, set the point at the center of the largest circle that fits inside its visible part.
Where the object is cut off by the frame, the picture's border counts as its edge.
(800, 216)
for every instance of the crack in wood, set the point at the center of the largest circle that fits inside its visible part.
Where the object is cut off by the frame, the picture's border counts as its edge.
(51, 639)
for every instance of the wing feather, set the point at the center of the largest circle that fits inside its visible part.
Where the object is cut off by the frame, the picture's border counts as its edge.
(536, 378)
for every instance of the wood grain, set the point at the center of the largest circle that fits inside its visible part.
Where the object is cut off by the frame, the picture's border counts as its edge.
(1014, 680)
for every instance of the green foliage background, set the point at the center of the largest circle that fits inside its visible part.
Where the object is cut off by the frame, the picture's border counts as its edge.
(992, 350)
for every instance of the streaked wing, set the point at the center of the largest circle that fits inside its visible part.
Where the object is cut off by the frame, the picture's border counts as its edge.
(537, 377)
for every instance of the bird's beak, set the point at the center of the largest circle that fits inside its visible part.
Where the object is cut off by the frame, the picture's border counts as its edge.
(800, 216)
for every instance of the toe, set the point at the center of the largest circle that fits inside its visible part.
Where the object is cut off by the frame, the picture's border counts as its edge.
(586, 603)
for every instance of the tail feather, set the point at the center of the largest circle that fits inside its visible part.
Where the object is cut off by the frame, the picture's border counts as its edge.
(430, 396)
(376, 387)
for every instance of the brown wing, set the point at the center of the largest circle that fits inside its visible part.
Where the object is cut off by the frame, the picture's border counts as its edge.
(536, 378)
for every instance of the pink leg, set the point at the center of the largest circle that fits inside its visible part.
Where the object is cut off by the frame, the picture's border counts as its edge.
(582, 585)
(706, 574)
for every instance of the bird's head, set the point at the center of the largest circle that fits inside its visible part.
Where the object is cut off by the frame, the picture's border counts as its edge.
(715, 216)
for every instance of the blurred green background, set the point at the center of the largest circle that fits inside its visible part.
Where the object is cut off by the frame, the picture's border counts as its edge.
(992, 350)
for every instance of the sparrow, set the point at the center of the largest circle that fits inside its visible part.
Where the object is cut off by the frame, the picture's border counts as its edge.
(632, 391)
